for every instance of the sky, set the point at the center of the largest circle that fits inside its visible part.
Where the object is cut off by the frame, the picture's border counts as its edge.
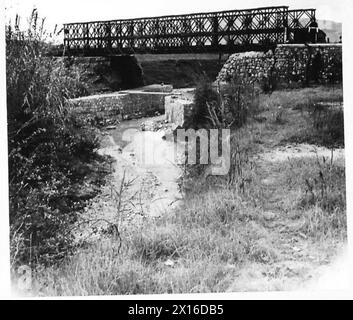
(64, 11)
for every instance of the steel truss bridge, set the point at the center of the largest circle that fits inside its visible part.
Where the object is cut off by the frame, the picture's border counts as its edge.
(215, 32)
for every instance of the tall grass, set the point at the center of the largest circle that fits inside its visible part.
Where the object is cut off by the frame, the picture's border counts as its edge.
(321, 110)
(196, 249)
(328, 124)
(224, 106)
(49, 149)
(325, 196)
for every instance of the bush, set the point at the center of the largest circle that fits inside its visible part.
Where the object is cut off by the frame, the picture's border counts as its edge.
(46, 148)
(228, 106)
(239, 101)
(204, 94)
(269, 83)
(328, 124)
(324, 198)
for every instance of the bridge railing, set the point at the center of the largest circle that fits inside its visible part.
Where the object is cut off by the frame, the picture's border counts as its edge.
(202, 32)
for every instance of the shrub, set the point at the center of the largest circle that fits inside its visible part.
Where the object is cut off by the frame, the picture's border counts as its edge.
(269, 83)
(328, 124)
(324, 199)
(46, 148)
(227, 107)
(204, 94)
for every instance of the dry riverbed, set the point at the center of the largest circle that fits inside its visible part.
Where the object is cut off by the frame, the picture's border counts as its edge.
(144, 182)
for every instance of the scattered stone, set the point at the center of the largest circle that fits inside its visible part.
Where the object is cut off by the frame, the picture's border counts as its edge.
(110, 128)
(269, 216)
(268, 181)
(169, 263)
(302, 235)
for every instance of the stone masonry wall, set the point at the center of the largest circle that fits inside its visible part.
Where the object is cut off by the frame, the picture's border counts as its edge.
(114, 107)
(99, 109)
(251, 65)
(288, 65)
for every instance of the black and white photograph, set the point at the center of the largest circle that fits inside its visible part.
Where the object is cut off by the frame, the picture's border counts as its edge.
(175, 148)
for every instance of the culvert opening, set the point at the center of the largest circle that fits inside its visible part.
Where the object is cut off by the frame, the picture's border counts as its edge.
(128, 70)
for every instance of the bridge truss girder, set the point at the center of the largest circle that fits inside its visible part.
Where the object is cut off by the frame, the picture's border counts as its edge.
(226, 31)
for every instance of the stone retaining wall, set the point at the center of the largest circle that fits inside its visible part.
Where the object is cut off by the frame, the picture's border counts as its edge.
(288, 64)
(122, 105)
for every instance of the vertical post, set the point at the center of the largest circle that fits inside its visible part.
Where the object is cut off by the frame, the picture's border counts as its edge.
(184, 31)
(215, 31)
(156, 34)
(108, 35)
(118, 36)
(86, 36)
(285, 26)
(66, 38)
(131, 34)
(230, 27)
(198, 30)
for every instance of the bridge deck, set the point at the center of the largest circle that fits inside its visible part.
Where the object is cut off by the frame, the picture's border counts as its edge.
(225, 31)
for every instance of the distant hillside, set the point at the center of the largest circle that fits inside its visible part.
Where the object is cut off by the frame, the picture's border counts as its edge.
(332, 29)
